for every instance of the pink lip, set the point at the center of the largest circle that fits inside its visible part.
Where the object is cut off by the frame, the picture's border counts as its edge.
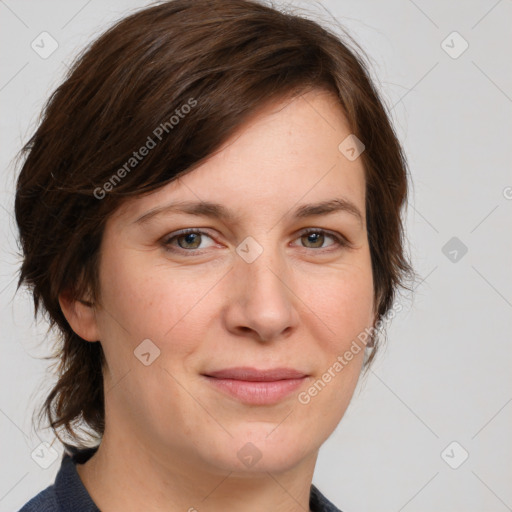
(258, 387)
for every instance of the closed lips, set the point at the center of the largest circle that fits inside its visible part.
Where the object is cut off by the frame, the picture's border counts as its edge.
(254, 375)
(256, 387)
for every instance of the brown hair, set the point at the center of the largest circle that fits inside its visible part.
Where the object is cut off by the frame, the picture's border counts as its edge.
(225, 59)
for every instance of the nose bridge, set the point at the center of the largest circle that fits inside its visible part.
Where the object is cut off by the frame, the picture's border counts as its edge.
(260, 266)
(264, 302)
(263, 257)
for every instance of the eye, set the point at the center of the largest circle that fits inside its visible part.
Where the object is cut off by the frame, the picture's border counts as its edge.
(188, 240)
(317, 237)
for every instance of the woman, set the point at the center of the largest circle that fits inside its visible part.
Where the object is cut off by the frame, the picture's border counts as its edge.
(210, 214)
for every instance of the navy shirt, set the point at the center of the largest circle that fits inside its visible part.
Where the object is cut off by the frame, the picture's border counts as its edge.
(68, 493)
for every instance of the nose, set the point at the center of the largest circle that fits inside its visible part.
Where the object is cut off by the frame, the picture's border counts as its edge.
(261, 301)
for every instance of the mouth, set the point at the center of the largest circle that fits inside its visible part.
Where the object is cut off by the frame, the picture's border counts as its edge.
(257, 387)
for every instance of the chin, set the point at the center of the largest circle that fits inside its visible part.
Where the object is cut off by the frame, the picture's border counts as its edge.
(253, 450)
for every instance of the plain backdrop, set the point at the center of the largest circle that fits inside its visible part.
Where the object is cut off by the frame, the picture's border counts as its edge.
(441, 391)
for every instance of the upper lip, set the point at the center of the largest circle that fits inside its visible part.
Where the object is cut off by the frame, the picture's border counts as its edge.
(253, 374)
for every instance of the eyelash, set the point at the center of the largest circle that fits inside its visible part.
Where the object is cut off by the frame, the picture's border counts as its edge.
(339, 241)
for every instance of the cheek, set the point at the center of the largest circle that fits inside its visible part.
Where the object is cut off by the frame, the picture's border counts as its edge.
(347, 312)
(343, 302)
(141, 300)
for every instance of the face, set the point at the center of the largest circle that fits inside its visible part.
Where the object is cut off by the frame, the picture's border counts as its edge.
(215, 337)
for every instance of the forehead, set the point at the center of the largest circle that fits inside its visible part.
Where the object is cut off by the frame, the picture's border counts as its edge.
(284, 155)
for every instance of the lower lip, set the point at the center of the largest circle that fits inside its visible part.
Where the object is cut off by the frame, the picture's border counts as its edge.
(257, 393)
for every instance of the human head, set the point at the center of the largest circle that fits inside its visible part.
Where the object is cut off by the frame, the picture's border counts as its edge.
(139, 76)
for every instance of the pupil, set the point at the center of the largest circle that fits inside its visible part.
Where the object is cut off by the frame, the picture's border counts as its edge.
(315, 237)
(190, 238)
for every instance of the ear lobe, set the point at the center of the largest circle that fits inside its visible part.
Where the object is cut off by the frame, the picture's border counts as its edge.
(80, 315)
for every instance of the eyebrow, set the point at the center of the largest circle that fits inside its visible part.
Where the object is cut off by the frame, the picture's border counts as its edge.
(219, 211)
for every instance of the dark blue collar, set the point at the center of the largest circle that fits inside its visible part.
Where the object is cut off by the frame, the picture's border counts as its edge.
(70, 492)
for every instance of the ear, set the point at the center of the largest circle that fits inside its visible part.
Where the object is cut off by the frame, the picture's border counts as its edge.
(80, 315)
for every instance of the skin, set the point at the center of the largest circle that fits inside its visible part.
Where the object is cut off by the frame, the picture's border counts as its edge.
(171, 439)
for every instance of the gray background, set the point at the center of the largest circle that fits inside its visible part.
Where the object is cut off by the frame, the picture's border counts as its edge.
(445, 375)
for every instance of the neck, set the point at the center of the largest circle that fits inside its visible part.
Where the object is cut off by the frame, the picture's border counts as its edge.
(125, 474)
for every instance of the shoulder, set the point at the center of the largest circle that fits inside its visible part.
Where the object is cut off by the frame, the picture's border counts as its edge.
(67, 493)
(319, 503)
(45, 501)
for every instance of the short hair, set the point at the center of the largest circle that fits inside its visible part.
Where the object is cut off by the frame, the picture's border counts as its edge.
(224, 60)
